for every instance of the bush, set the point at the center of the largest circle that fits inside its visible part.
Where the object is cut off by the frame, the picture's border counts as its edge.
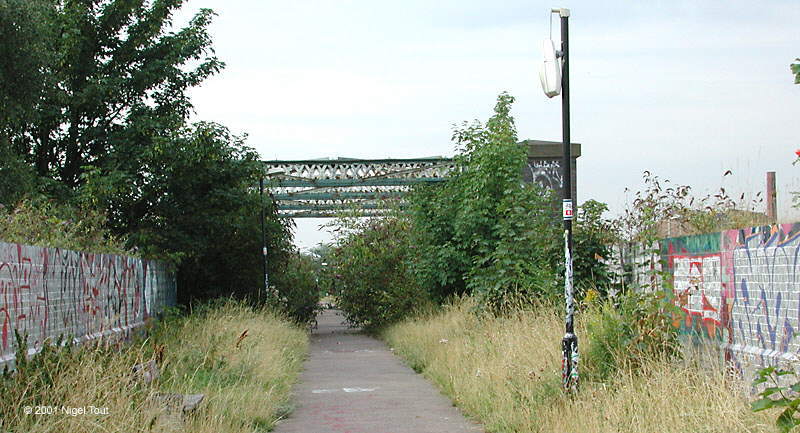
(778, 392)
(297, 289)
(46, 223)
(626, 333)
(374, 285)
(592, 239)
(665, 209)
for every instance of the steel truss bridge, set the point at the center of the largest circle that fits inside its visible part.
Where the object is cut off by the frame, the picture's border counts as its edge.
(323, 188)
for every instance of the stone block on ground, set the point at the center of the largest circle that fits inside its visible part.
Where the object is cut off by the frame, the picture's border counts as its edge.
(172, 409)
(147, 372)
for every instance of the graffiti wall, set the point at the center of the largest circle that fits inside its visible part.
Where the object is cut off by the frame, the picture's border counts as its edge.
(741, 289)
(49, 292)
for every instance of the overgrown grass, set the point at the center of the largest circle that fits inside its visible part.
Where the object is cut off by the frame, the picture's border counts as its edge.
(505, 372)
(246, 380)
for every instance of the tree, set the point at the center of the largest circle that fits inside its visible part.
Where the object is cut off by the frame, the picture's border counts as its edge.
(23, 33)
(484, 231)
(795, 67)
(113, 77)
(195, 200)
(593, 238)
(94, 109)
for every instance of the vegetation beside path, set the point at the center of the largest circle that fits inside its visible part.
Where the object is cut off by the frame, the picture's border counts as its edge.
(505, 373)
(243, 360)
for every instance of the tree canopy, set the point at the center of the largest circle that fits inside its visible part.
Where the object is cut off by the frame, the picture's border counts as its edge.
(94, 111)
(104, 75)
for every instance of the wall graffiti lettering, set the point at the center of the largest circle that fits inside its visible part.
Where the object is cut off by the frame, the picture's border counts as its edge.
(742, 289)
(50, 292)
(697, 289)
(545, 172)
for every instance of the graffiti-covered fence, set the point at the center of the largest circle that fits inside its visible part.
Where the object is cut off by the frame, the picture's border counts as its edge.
(740, 289)
(50, 292)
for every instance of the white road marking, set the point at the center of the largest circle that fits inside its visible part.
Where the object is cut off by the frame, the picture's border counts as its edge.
(330, 391)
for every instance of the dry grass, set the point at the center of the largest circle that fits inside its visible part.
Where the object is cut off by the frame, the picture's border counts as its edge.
(505, 372)
(246, 380)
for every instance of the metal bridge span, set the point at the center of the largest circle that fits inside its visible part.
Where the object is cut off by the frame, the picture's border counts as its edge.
(323, 188)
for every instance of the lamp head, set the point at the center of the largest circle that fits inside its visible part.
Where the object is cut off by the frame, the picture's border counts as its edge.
(550, 70)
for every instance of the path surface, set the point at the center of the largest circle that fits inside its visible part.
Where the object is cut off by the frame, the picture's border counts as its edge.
(354, 384)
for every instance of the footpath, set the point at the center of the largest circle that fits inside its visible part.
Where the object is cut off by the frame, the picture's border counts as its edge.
(352, 383)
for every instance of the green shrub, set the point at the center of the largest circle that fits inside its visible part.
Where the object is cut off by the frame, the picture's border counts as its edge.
(484, 232)
(593, 238)
(374, 285)
(196, 200)
(297, 289)
(626, 333)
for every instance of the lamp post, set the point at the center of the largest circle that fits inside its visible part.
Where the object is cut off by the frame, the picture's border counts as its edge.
(264, 250)
(325, 275)
(263, 236)
(555, 80)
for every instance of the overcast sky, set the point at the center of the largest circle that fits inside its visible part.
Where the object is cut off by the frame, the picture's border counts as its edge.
(685, 89)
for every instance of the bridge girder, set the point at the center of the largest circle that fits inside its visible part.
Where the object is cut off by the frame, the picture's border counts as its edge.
(364, 187)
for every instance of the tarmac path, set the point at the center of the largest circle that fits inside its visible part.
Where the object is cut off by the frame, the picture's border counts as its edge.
(353, 383)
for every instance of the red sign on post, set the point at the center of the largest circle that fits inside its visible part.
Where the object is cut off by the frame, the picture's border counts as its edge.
(566, 206)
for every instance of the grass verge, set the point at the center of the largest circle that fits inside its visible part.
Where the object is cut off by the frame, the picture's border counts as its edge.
(505, 373)
(246, 379)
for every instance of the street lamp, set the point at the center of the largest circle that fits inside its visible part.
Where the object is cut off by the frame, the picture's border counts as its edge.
(325, 274)
(554, 75)
(271, 172)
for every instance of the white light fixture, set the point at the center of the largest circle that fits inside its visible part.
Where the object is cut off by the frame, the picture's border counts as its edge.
(550, 69)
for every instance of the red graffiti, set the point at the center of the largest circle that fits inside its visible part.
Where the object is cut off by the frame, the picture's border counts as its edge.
(49, 292)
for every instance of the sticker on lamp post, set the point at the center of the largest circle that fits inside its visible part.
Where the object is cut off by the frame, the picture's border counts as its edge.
(566, 207)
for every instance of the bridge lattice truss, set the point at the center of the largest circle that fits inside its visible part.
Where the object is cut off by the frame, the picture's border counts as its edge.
(327, 187)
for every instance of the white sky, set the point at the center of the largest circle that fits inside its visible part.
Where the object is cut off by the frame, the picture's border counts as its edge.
(685, 89)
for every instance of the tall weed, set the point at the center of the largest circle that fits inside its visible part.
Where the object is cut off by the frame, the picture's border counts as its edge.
(243, 360)
(505, 373)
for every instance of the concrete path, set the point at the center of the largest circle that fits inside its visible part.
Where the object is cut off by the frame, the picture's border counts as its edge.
(353, 384)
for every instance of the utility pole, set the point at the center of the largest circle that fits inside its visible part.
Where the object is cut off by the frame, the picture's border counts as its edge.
(772, 207)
